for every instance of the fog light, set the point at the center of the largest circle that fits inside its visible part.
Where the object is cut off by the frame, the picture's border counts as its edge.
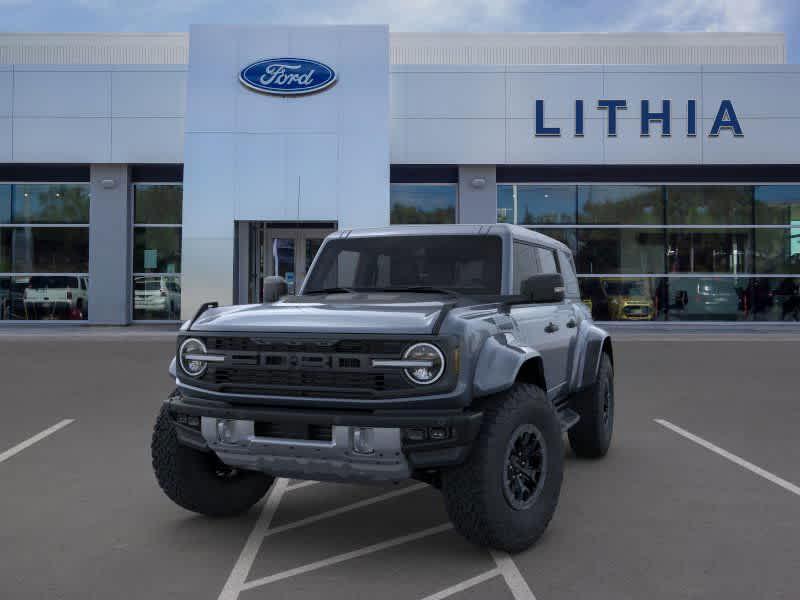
(416, 435)
(226, 430)
(439, 433)
(362, 440)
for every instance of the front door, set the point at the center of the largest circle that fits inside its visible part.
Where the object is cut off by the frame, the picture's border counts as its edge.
(284, 251)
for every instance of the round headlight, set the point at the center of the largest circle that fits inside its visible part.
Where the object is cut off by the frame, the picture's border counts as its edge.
(189, 356)
(431, 363)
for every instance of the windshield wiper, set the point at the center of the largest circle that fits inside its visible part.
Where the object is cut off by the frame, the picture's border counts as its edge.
(330, 290)
(422, 289)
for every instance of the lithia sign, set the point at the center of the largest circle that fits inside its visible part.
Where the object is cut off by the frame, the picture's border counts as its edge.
(726, 119)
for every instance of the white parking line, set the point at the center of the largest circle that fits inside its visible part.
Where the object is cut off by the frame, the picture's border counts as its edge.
(464, 585)
(788, 486)
(333, 560)
(32, 440)
(514, 579)
(344, 509)
(241, 569)
(302, 484)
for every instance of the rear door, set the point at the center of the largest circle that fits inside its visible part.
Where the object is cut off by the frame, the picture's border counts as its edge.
(562, 324)
(542, 326)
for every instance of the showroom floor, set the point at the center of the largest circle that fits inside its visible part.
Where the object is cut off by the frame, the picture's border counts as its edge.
(698, 497)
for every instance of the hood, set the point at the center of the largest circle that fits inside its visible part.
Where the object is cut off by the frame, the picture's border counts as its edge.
(335, 313)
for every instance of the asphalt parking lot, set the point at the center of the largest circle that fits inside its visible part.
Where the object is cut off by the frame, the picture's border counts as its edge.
(698, 497)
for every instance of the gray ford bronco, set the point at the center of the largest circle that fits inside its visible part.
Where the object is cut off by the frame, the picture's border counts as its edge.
(457, 355)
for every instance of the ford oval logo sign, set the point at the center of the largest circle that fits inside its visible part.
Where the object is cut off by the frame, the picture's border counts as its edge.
(287, 76)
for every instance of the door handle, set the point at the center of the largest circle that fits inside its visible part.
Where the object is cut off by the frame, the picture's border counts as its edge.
(571, 323)
(551, 327)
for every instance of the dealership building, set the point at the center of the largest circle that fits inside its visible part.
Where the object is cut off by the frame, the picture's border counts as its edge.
(144, 174)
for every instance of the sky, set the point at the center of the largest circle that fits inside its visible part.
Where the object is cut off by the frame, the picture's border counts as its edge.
(413, 15)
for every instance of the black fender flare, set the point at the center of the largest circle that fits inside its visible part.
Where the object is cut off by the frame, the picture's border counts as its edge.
(592, 343)
(499, 363)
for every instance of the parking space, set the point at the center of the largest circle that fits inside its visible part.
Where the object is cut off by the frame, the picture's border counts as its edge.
(662, 516)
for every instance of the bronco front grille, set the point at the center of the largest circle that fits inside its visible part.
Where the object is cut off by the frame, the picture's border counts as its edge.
(305, 367)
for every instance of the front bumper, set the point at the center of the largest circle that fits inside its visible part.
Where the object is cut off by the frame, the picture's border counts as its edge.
(395, 457)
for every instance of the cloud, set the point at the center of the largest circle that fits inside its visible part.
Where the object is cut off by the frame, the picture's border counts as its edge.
(414, 15)
(705, 15)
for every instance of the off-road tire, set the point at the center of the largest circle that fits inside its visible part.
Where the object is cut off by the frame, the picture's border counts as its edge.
(191, 478)
(591, 436)
(474, 491)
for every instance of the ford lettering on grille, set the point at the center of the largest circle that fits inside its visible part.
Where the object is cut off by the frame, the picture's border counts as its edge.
(287, 76)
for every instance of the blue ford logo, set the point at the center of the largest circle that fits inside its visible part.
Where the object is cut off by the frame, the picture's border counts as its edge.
(287, 76)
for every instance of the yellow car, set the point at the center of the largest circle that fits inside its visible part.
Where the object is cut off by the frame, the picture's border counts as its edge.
(628, 299)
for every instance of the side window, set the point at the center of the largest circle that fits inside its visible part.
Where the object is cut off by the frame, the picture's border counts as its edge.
(525, 264)
(547, 259)
(568, 270)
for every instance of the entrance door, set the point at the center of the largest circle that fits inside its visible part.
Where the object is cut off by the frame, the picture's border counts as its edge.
(281, 250)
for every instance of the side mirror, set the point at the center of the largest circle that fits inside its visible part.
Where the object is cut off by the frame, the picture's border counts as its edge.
(544, 287)
(274, 288)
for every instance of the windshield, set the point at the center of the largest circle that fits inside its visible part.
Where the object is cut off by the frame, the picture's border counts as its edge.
(466, 264)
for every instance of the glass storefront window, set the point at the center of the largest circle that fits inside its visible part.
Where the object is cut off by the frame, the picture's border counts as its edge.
(625, 298)
(44, 204)
(568, 237)
(708, 299)
(723, 252)
(710, 251)
(709, 205)
(775, 299)
(44, 251)
(157, 250)
(156, 297)
(421, 203)
(536, 204)
(157, 213)
(778, 205)
(607, 251)
(158, 204)
(620, 204)
(778, 250)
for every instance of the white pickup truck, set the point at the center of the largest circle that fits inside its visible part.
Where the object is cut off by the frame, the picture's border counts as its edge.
(56, 296)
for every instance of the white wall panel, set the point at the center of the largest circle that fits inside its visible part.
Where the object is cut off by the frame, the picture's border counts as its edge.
(753, 94)
(62, 93)
(524, 147)
(148, 93)
(147, 140)
(455, 95)
(209, 177)
(455, 141)
(678, 87)
(263, 113)
(312, 169)
(629, 148)
(363, 192)
(6, 87)
(397, 141)
(765, 141)
(5, 139)
(210, 89)
(255, 197)
(558, 90)
(79, 140)
(207, 266)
